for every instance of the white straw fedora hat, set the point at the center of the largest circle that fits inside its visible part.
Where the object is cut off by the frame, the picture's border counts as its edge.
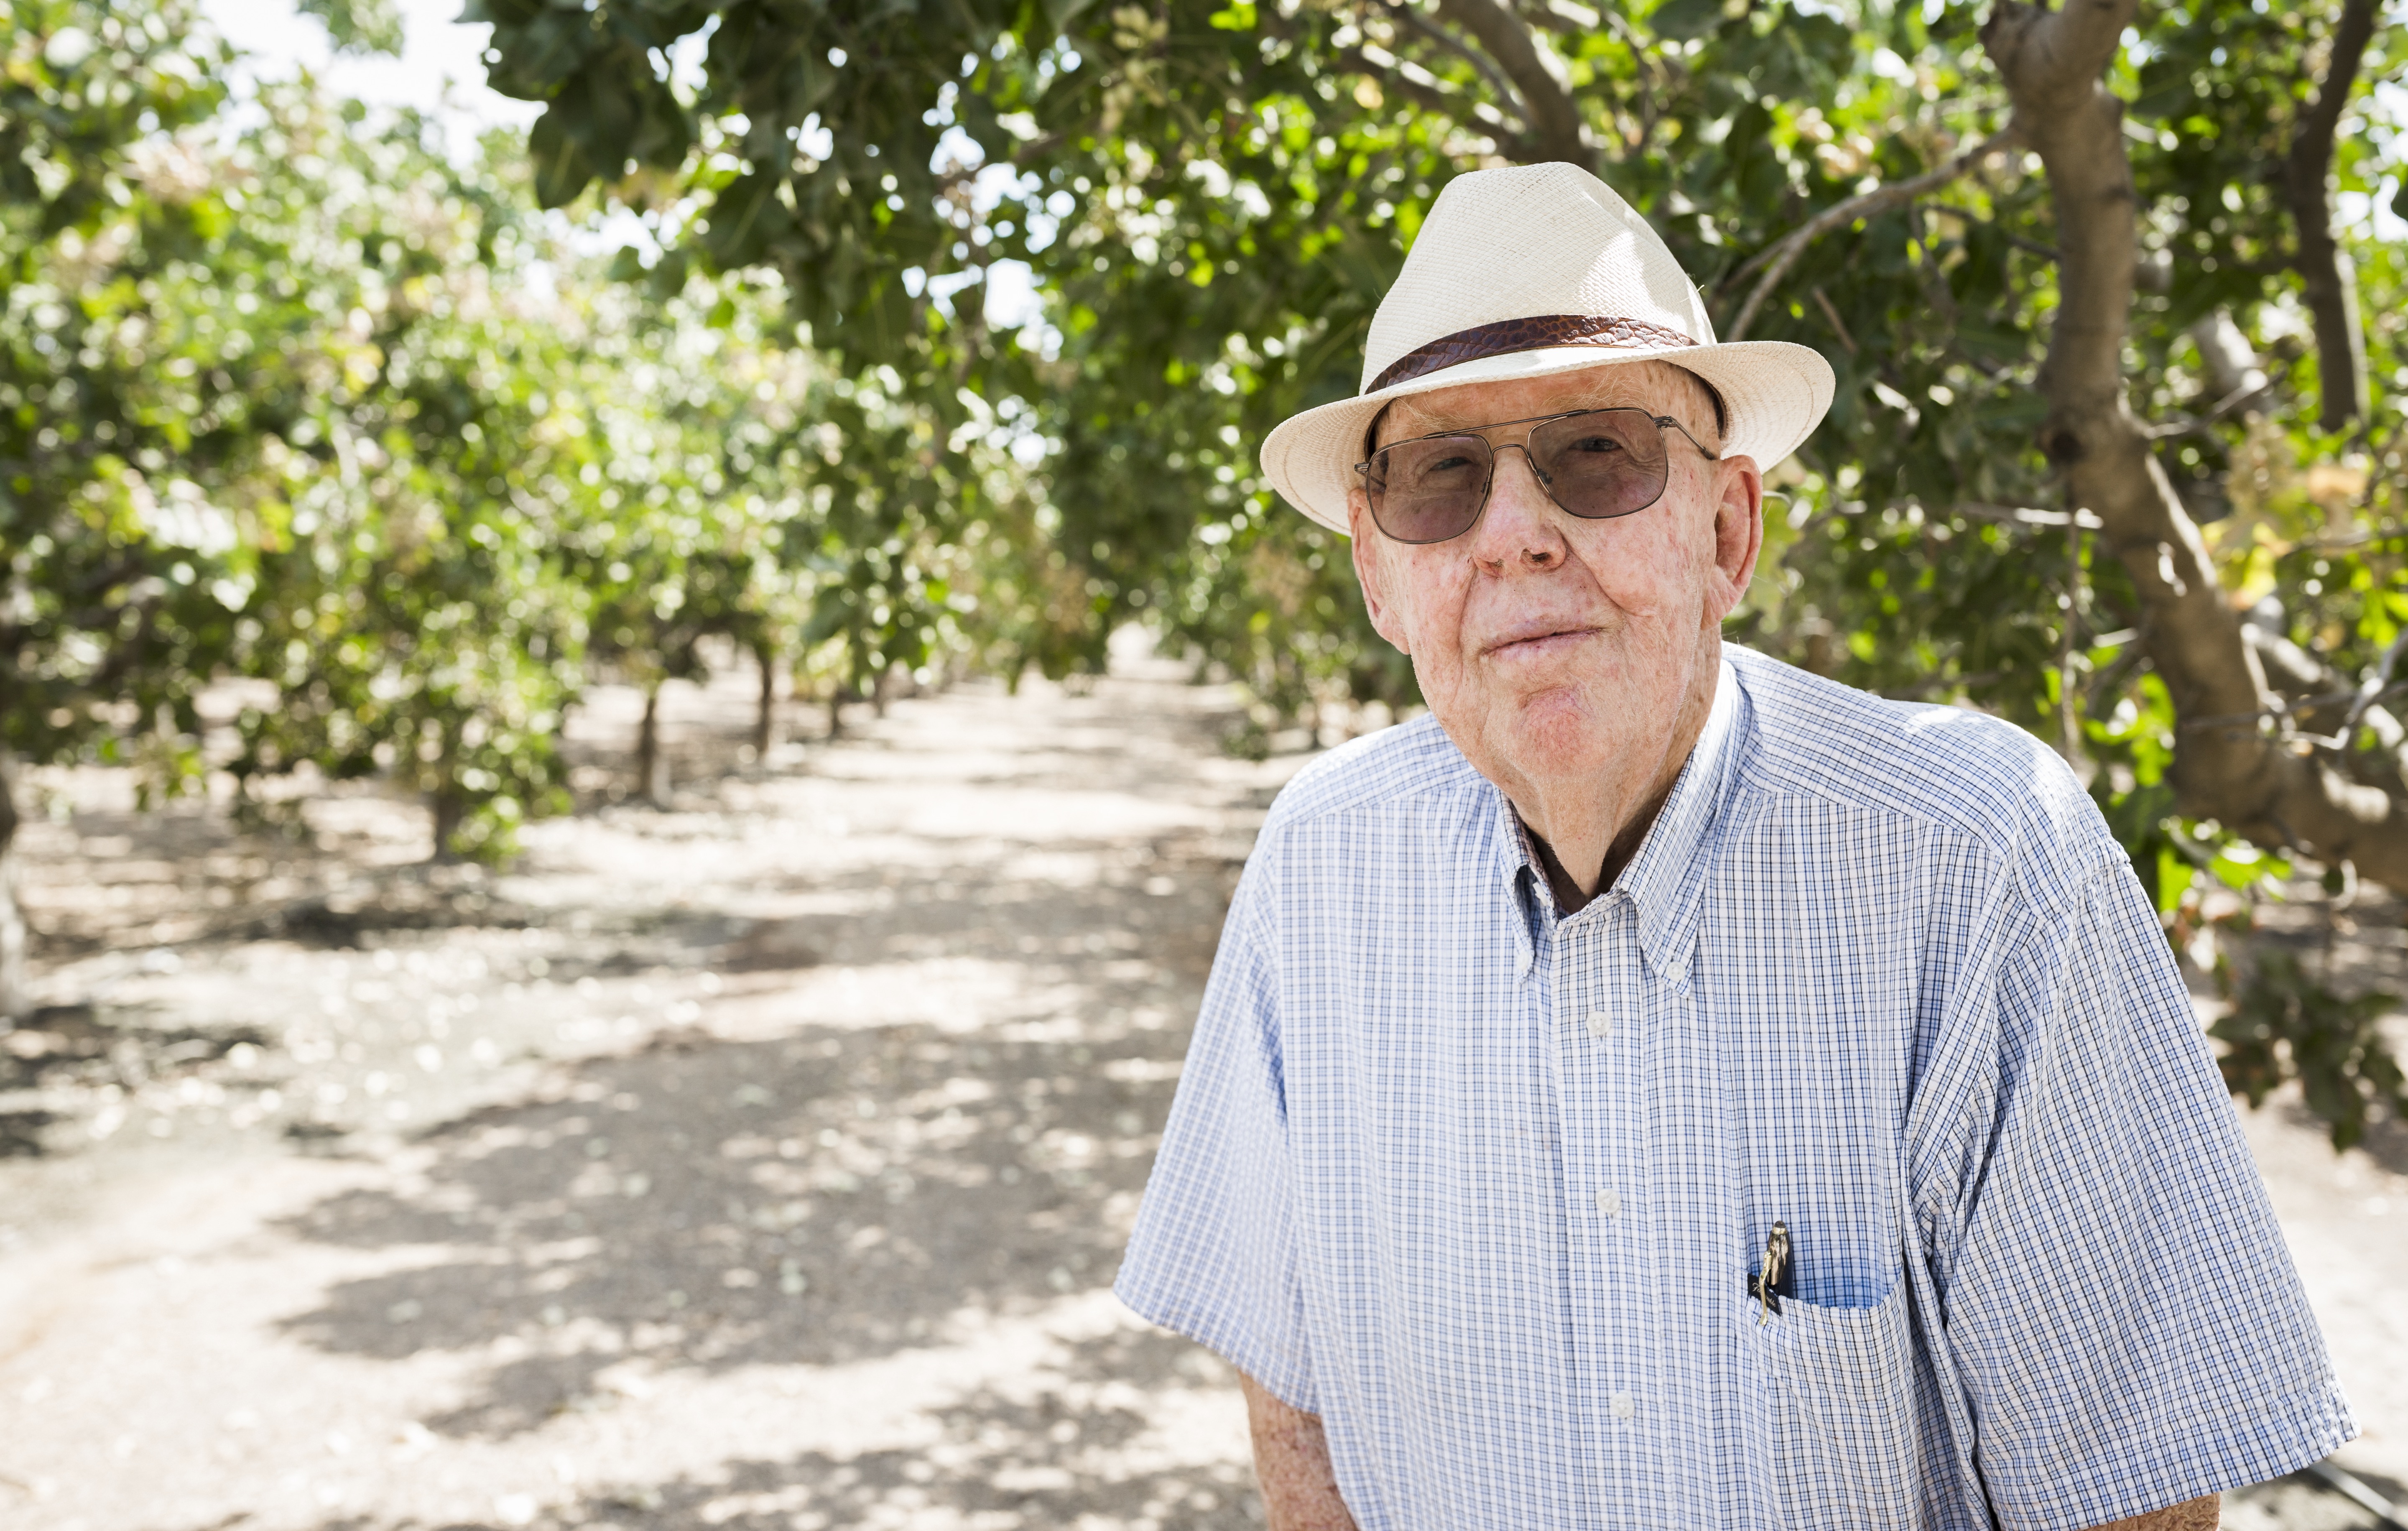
(1529, 271)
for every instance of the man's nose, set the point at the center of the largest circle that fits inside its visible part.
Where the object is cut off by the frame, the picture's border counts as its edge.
(1521, 528)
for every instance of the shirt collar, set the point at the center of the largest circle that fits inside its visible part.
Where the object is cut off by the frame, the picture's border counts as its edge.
(1662, 881)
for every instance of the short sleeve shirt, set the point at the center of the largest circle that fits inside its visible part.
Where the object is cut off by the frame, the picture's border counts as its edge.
(1481, 1184)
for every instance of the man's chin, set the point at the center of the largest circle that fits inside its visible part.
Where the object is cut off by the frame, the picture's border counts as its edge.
(1566, 730)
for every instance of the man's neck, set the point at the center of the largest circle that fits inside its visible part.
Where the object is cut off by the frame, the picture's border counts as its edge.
(1570, 896)
(1595, 827)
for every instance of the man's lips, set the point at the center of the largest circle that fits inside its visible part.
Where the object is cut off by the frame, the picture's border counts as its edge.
(1538, 639)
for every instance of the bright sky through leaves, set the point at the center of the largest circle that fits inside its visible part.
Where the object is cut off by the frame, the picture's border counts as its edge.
(437, 50)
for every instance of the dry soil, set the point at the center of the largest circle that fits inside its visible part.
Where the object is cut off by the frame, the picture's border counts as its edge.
(760, 1161)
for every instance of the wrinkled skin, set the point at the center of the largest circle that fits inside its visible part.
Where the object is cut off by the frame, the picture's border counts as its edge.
(1572, 661)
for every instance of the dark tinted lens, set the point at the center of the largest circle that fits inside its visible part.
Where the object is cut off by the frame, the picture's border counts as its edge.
(1605, 463)
(1431, 490)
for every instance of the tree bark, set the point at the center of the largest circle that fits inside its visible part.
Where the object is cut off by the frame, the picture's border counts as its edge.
(1558, 129)
(2235, 378)
(765, 719)
(16, 1002)
(652, 763)
(451, 810)
(2226, 763)
(2329, 283)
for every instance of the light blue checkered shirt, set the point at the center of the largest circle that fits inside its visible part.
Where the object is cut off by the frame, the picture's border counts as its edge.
(1481, 1184)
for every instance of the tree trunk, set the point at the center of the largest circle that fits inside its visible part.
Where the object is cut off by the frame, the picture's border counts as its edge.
(2329, 282)
(1558, 129)
(2332, 294)
(2229, 765)
(2233, 371)
(16, 1002)
(765, 721)
(450, 810)
(651, 761)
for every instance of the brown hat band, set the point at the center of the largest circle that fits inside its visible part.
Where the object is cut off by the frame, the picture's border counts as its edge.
(1508, 335)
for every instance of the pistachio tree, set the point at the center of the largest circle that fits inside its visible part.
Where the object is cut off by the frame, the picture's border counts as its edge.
(272, 404)
(2114, 452)
(125, 562)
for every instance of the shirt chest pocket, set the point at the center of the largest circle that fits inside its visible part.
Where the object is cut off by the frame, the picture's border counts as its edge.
(1832, 1417)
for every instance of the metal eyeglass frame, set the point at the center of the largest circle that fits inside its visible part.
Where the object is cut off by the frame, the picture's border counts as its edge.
(1363, 469)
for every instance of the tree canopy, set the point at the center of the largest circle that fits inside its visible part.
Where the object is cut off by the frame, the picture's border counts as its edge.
(289, 394)
(2116, 449)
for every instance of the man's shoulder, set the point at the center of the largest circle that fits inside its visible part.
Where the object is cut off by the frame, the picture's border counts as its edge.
(1408, 762)
(1964, 773)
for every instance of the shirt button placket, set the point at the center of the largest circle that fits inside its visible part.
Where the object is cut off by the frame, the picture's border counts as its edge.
(1587, 1167)
(1622, 1245)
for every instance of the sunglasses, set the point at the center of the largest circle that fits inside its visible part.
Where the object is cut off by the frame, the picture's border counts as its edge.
(1592, 464)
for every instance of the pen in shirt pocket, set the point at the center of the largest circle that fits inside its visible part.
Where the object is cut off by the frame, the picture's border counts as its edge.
(1777, 1277)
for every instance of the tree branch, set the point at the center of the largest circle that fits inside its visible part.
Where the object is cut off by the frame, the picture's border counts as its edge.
(1407, 15)
(8, 822)
(2330, 286)
(2314, 685)
(2228, 766)
(1553, 117)
(1778, 258)
(1564, 16)
(2051, 59)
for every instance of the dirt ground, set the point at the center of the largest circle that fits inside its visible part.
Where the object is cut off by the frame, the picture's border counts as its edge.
(758, 1162)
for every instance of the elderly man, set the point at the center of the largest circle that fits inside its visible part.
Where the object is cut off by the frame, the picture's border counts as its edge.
(1663, 1088)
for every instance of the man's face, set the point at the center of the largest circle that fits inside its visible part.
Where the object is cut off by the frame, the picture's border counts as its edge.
(1548, 645)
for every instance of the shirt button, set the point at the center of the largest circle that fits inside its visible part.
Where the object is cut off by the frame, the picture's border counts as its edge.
(1610, 1203)
(1599, 1022)
(1623, 1406)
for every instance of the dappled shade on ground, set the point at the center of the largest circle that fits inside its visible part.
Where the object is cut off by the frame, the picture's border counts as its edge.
(759, 1163)
(820, 1199)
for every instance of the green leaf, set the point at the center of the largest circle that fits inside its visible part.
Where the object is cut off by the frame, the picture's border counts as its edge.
(2174, 874)
(1681, 19)
(1239, 17)
(358, 26)
(668, 276)
(1824, 41)
(501, 12)
(2008, 410)
(2239, 865)
(561, 168)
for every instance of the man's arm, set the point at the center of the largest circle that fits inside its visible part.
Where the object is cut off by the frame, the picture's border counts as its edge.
(2191, 1515)
(1292, 1462)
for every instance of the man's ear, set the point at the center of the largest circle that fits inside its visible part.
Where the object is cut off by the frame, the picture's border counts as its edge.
(1738, 533)
(1372, 569)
